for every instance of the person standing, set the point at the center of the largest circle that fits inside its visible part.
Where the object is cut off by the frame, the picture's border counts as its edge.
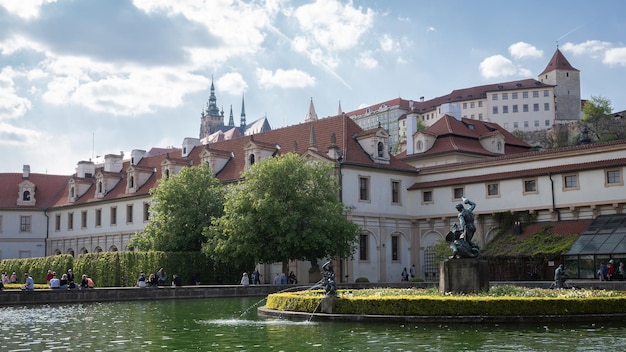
(70, 279)
(412, 271)
(405, 275)
(161, 276)
(559, 276)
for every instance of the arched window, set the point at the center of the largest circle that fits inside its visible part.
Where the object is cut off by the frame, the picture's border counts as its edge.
(499, 146)
(72, 192)
(99, 186)
(420, 145)
(167, 173)
(26, 196)
(251, 159)
(381, 149)
(131, 182)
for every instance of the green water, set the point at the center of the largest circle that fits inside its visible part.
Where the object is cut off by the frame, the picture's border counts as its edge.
(232, 324)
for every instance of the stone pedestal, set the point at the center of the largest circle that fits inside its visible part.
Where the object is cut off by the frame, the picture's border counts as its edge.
(326, 305)
(464, 275)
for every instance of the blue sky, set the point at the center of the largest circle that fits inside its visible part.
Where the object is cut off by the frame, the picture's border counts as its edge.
(83, 78)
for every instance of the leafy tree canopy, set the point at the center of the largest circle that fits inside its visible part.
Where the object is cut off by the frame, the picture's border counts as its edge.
(597, 113)
(284, 209)
(182, 206)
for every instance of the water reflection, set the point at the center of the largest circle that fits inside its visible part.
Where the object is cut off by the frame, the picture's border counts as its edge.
(230, 324)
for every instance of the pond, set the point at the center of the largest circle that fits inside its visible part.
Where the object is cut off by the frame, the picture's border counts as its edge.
(232, 324)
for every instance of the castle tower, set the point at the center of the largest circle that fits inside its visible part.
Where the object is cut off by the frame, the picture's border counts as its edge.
(566, 79)
(211, 118)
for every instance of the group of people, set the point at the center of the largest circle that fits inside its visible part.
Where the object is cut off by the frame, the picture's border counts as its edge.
(157, 279)
(253, 279)
(405, 274)
(65, 282)
(608, 272)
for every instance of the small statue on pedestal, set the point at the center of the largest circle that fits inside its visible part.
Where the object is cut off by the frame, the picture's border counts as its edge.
(330, 285)
(460, 239)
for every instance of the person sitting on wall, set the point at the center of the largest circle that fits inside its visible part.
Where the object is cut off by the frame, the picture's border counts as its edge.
(141, 281)
(176, 280)
(29, 284)
(55, 283)
(161, 276)
(152, 281)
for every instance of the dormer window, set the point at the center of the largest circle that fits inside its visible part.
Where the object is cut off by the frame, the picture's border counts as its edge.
(26, 196)
(131, 182)
(99, 186)
(26, 193)
(167, 174)
(420, 145)
(499, 146)
(72, 192)
(381, 150)
(251, 159)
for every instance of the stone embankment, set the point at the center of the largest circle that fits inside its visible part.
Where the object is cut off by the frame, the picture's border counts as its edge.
(115, 294)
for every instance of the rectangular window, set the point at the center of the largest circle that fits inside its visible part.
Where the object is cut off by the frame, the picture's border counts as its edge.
(113, 215)
(614, 178)
(524, 95)
(480, 104)
(494, 97)
(57, 222)
(129, 214)
(546, 93)
(570, 182)
(515, 124)
(493, 190)
(535, 94)
(98, 220)
(464, 105)
(514, 95)
(505, 109)
(427, 196)
(146, 212)
(530, 186)
(525, 124)
(480, 116)
(536, 123)
(364, 188)
(505, 96)
(395, 243)
(506, 125)
(535, 107)
(83, 219)
(395, 192)
(495, 110)
(525, 108)
(458, 193)
(546, 106)
(472, 105)
(363, 250)
(515, 108)
(70, 221)
(25, 223)
(547, 122)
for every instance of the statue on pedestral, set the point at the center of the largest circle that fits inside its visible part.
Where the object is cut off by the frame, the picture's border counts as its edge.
(460, 237)
(330, 285)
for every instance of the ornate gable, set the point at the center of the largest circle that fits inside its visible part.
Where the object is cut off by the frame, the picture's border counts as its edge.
(26, 194)
(254, 151)
(77, 188)
(106, 181)
(137, 177)
(216, 159)
(376, 144)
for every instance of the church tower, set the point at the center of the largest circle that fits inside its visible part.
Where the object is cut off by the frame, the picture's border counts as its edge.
(211, 118)
(566, 79)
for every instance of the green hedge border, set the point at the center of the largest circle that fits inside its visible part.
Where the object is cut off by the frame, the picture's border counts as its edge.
(448, 305)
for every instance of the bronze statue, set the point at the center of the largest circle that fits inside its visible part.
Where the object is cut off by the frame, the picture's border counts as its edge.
(460, 239)
(330, 285)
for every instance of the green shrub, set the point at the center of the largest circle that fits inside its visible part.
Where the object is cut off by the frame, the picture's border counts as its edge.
(416, 279)
(361, 279)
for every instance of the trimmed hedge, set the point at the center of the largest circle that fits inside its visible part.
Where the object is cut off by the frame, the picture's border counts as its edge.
(121, 269)
(447, 305)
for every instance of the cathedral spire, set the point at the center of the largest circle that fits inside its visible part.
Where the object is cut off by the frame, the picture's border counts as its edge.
(231, 120)
(242, 123)
(311, 115)
(339, 110)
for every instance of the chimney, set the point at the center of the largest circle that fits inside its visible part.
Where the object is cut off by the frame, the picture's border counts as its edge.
(26, 171)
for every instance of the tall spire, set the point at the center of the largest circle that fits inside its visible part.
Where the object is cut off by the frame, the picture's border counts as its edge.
(312, 139)
(339, 110)
(231, 120)
(212, 108)
(242, 123)
(311, 115)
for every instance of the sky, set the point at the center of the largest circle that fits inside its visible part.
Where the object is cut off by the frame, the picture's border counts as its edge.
(80, 79)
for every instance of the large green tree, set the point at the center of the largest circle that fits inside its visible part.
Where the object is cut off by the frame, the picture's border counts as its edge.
(597, 114)
(285, 208)
(182, 206)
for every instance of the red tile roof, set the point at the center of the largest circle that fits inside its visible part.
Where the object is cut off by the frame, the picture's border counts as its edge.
(47, 189)
(558, 62)
(402, 103)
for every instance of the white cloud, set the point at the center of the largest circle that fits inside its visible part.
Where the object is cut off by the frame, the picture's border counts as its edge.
(386, 43)
(16, 43)
(284, 78)
(366, 60)
(431, 29)
(232, 83)
(16, 136)
(498, 66)
(11, 104)
(615, 56)
(522, 50)
(332, 25)
(26, 9)
(593, 48)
